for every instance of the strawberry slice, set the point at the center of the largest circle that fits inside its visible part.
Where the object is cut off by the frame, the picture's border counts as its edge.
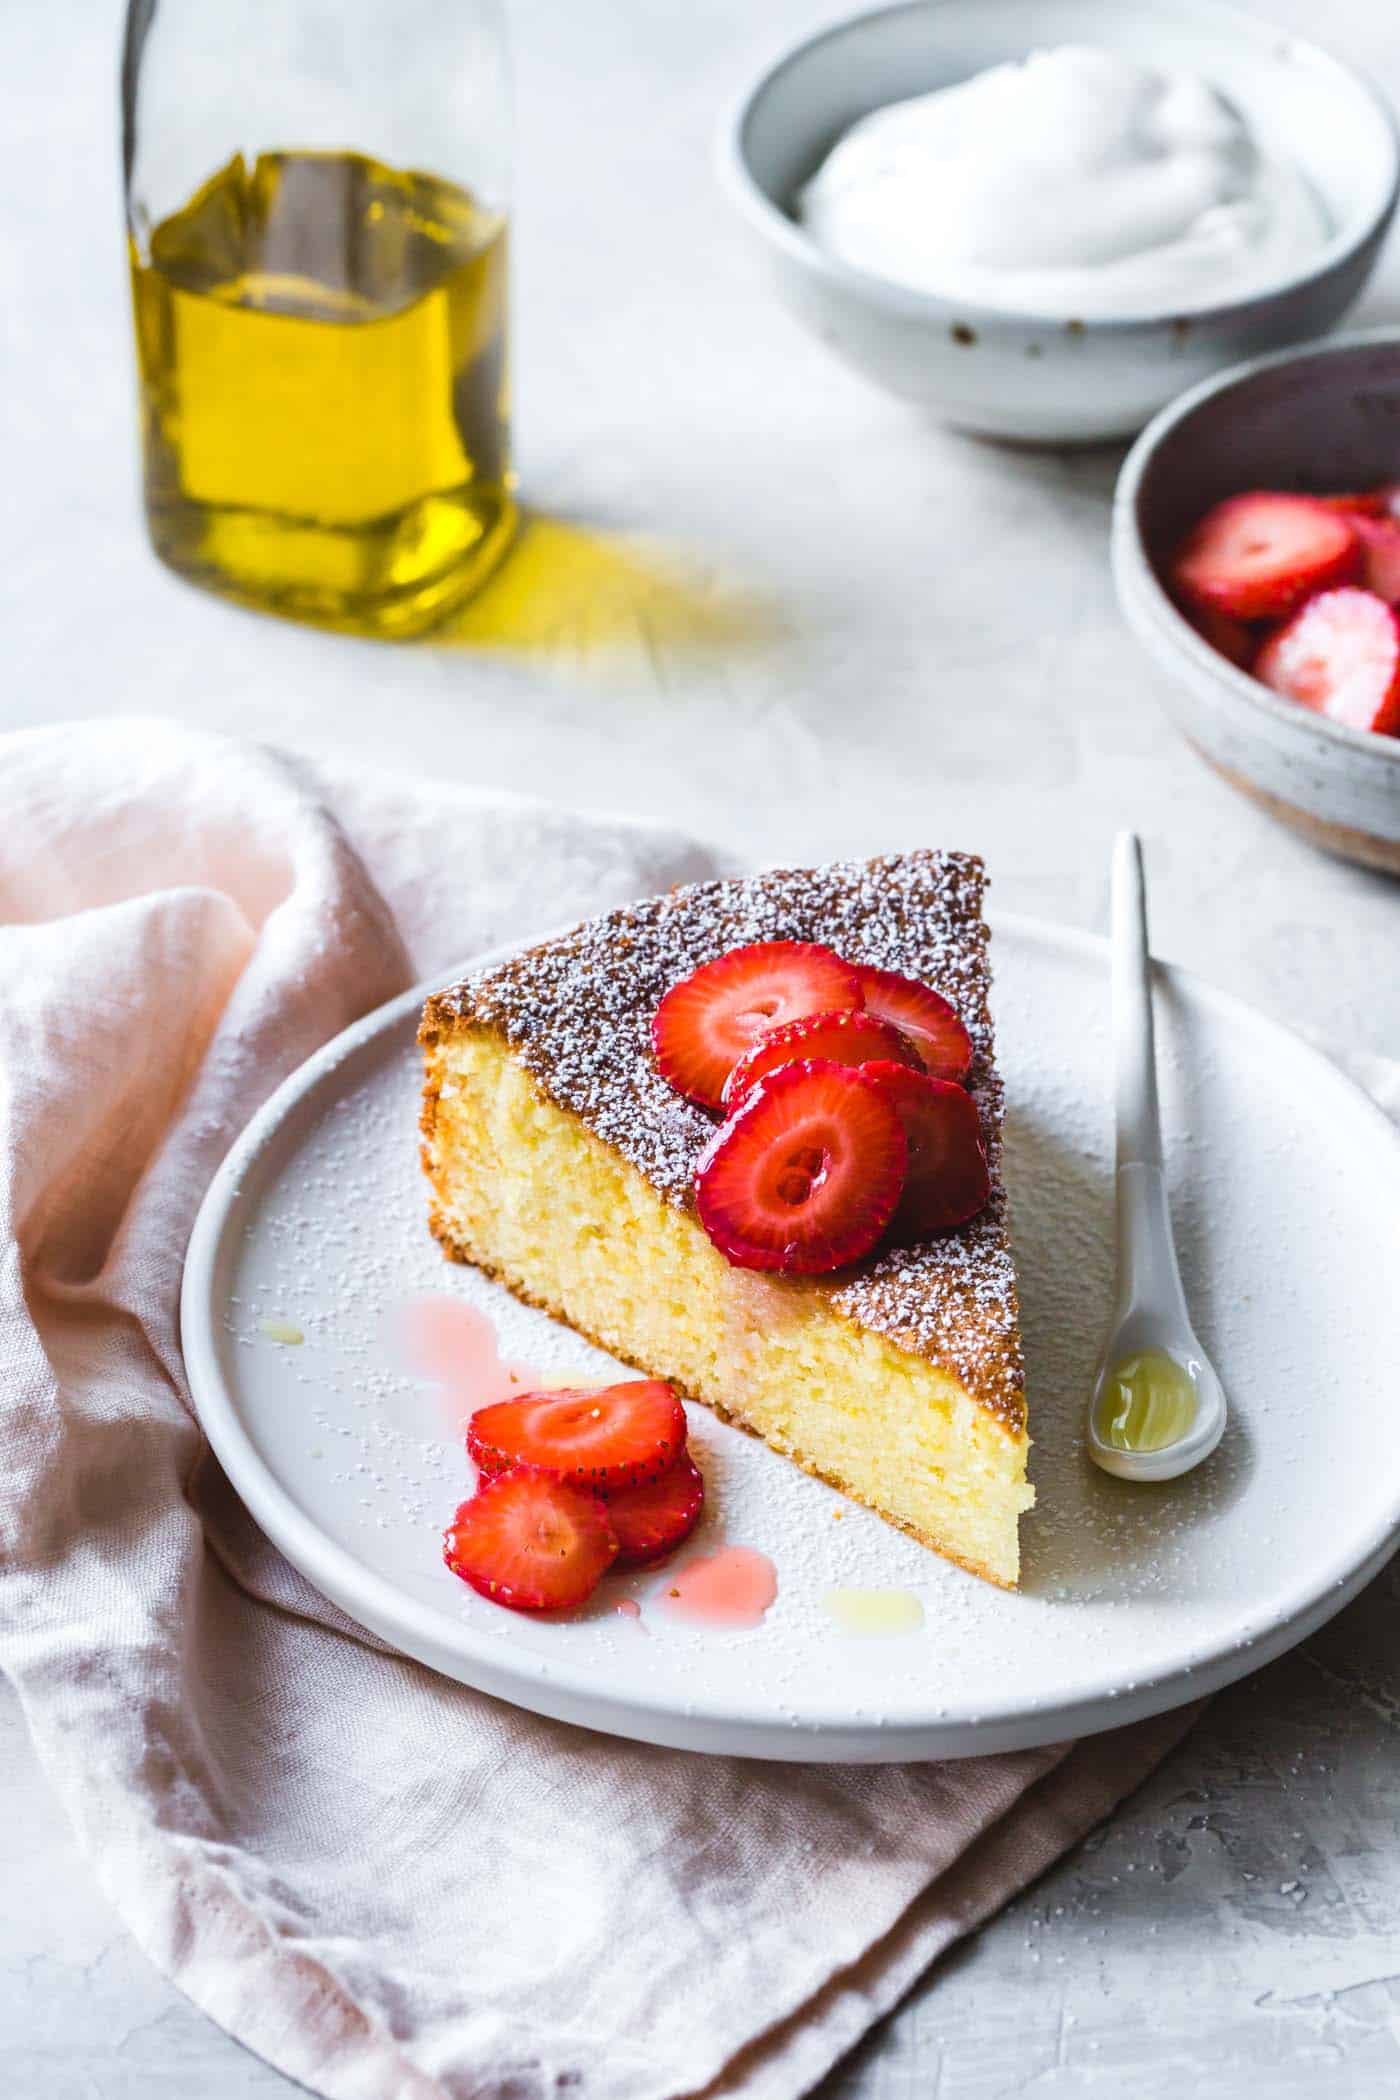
(705, 1023)
(1380, 556)
(844, 1038)
(652, 1519)
(1234, 639)
(1257, 556)
(924, 1015)
(611, 1437)
(946, 1182)
(1362, 503)
(806, 1174)
(1339, 656)
(531, 1542)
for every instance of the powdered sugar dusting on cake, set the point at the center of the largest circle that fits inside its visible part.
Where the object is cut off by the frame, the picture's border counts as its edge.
(577, 1011)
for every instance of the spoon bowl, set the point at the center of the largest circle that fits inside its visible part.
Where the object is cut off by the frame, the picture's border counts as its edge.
(1137, 1337)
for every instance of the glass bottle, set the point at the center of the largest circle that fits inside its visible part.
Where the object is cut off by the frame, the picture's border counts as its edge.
(316, 198)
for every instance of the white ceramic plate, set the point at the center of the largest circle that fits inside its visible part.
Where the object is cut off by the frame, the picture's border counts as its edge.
(1135, 1599)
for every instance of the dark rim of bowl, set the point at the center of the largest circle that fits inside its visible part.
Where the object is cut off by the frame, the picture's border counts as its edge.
(776, 224)
(1130, 554)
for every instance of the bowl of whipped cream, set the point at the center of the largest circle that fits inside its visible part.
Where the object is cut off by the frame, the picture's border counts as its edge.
(1042, 219)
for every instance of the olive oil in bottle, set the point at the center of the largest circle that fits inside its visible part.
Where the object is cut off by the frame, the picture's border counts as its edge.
(321, 343)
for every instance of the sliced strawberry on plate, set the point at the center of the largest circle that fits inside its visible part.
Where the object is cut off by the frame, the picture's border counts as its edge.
(531, 1542)
(1340, 656)
(844, 1038)
(615, 1436)
(924, 1015)
(806, 1174)
(705, 1023)
(1380, 557)
(1257, 556)
(651, 1520)
(946, 1181)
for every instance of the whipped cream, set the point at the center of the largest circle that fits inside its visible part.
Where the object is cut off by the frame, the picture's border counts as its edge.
(1075, 184)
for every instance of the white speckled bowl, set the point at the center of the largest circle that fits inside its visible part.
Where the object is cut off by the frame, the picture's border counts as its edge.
(1054, 379)
(1326, 417)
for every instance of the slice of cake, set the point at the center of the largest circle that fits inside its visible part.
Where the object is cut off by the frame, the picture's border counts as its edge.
(563, 1163)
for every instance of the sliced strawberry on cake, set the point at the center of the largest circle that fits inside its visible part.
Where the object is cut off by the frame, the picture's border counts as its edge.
(705, 1023)
(841, 1039)
(928, 1020)
(805, 1175)
(946, 1180)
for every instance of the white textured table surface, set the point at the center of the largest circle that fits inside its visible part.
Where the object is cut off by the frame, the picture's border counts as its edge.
(772, 606)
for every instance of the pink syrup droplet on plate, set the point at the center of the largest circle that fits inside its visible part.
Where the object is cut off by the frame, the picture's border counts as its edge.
(732, 1587)
(628, 1608)
(457, 1348)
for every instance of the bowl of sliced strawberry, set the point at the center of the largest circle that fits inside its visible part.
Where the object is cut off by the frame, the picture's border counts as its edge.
(1256, 552)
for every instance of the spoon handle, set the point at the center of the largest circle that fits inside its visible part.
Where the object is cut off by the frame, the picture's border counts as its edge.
(1138, 1124)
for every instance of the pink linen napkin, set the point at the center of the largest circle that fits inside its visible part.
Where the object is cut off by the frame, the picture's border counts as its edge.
(390, 1887)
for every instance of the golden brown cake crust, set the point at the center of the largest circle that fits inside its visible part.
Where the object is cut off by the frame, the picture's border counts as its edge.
(576, 1011)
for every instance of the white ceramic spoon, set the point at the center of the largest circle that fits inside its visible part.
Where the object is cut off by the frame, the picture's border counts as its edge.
(1149, 1314)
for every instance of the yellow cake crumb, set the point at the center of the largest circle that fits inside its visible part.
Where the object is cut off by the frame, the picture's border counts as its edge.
(638, 1276)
